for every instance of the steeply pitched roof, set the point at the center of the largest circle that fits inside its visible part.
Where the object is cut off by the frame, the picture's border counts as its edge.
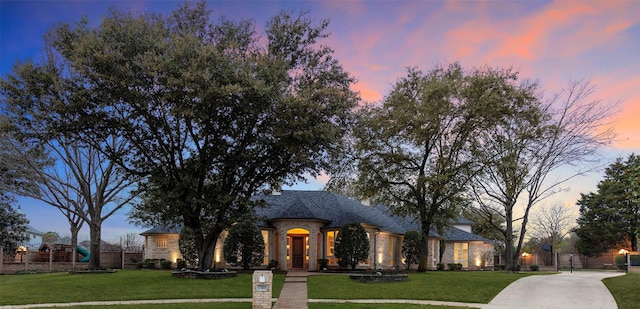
(455, 234)
(335, 209)
(162, 230)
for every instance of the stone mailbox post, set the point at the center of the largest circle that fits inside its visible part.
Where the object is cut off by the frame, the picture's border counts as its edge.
(262, 289)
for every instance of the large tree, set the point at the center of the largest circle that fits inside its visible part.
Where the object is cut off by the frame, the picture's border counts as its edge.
(13, 226)
(610, 217)
(212, 112)
(530, 144)
(415, 152)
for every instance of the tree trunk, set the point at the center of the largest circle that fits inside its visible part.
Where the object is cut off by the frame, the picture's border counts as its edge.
(206, 250)
(510, 262)
(95, 231)
(423, 266)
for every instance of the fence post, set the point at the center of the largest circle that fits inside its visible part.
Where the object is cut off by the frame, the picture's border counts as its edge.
(1, 258)
(73, 258)
(26, 261)
(50, 259)
(122, 258)
(628, 259)
(557, 259)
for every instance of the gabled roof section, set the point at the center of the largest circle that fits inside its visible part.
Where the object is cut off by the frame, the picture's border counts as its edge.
(162, 230)
(456, 234)
(333, 208)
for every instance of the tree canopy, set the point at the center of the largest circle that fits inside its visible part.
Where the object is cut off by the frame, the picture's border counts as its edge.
(532, 139)
(610, 217)
(417, 151)
(211, 112)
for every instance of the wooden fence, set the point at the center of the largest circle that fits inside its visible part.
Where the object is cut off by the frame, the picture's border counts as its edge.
(35, 261)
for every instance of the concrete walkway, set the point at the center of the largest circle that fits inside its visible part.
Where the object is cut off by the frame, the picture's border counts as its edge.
(294, 291)
(581, 289)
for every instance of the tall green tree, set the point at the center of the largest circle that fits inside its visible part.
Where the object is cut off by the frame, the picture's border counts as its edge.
(610, 217)
(533, 139)
(411, 248)
(244, 245)
(13, 226)
(211, 112)
(352, 245)
(416, 151)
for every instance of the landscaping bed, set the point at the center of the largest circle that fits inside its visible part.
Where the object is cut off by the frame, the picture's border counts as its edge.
(194, 274)
(378, 277)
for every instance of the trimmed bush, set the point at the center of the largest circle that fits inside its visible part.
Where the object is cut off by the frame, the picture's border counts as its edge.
(181, 264)
(534, 268)
(150, 264)
(440, 266)
(352, 245)
(165, 264)
(323, 264)
(273, 264)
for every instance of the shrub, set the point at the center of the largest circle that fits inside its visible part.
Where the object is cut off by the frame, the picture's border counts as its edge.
(181, 264)
(165, 264)
(440, 266)
(458, 266)
(244, 245)
(148, 263)
(352, 245)
(273, 264)
(452, 266)
(411, 248)
(534, 268)
(140, 265)
(323, 264)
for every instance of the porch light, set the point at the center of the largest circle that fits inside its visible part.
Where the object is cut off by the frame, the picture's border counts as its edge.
(623, 251)
(524, 254)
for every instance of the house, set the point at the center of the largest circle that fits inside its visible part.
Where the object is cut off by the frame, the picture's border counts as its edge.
(34, 238)
(300, 227)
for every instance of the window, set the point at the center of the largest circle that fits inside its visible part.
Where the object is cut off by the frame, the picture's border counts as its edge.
(461, 253)
(265, 236)
(391, 251)
(331, 242)
(162, 241)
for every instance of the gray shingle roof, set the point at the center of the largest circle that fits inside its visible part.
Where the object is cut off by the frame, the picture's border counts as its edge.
(163, 230)
(335, 209)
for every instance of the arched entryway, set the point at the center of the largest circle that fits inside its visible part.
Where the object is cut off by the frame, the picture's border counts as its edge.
(298, 248)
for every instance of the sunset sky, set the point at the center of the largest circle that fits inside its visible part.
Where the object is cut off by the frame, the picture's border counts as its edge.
(553, 42)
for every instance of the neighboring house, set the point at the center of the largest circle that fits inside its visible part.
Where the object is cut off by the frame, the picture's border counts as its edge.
(34, 238)
(300, 227)
(472, 251)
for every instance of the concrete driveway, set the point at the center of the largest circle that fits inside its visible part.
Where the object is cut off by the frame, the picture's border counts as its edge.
(581, 289)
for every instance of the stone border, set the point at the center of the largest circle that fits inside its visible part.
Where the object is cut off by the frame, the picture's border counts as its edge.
(194, 274)
(377, 278)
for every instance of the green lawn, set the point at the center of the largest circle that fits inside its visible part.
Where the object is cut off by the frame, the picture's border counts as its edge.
(122, 285)
(625, 290)
(470, 287)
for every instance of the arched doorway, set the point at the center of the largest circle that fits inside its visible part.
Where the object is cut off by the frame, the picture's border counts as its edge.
(298, 248)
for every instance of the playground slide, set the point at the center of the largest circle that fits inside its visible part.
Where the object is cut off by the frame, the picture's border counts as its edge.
(84, 252)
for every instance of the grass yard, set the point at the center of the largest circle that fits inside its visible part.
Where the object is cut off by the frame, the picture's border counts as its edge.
(172, 306)
(625, 290)
(122, 285)
(470, 287)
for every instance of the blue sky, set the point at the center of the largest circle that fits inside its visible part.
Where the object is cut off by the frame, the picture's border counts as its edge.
(552, 41)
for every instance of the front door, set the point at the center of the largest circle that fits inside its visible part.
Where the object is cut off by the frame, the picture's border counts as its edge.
(298, 252)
